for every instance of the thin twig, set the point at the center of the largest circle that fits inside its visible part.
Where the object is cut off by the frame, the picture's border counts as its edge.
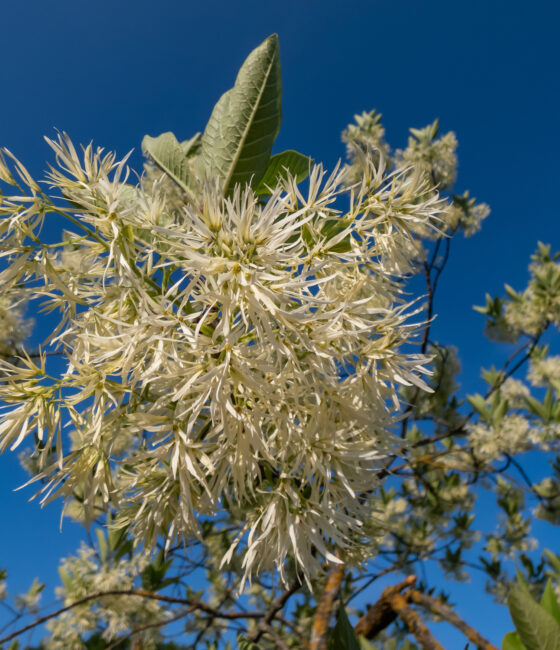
(148, 626)
(141, 594)
(280, 643)
(276, 606)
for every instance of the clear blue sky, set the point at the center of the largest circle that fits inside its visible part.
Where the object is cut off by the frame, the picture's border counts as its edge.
(112, 71)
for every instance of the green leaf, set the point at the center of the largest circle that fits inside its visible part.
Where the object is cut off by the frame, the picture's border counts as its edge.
(537, 628)
(244, 644)
(65, 577)
(153, 574)
(190, 147)
(553, 559)
(521, 580)
(343, 636)
(103, 547)
(238, 138)
(125, 548)
(290, 161)
(512, 641)
(550, 602)
(169, 155)
(365, 644)
(536, 407)
(480, 405)
(116, 537)
(499, 411)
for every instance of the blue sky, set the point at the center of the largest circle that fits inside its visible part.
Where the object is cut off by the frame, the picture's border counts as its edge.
(112, 71)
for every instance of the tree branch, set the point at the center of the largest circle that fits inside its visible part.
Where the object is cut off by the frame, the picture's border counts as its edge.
(148, 626)
(194, 605)
(380, 615)
(276, 606)
(324, 608)
(414, 623)
(439, 608)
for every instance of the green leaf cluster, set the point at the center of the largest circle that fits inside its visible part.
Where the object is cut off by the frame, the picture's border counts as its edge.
(537, 624)
(237, 142)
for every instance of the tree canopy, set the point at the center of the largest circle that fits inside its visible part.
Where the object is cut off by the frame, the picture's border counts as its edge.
(240, 393)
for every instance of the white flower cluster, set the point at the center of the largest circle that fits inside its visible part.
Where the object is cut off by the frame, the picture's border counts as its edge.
(435, 155)
(532, 310)
(515, 391)
(221, 353)
(465, 214)
(83, 575)
(366, 137)
(545, 371)
(14, 328)
(511, 436)
(29, 601)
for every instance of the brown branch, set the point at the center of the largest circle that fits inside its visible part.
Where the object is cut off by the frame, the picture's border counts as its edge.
(275, 607)
(380, 615)
(324, 608)
(414, 623)
(148, 626)
(280, 643)
(141, 594)
(459, 429)
(303, 641)
(395, 567)
(439, 608)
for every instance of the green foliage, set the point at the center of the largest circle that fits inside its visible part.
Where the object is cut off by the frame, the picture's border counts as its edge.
(290, 161)
(343, 637)
(238, 138)
(245, 644)
(537, 625)
(153, 575)
(550, 602)
(512, 641)
(170, 156)
(426, 512)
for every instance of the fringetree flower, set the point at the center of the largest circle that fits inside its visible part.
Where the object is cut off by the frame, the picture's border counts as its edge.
(221, 346)
(223, 352)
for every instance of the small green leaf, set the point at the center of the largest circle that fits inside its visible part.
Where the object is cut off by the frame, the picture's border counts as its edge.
(116, 537)
(279, 165)
(521, 580)
(536, 407)
(65, 577)
(168, 155)
(537, 628)
(365, 644)
(499, 411)
(125, 548)
(238, 138)
(550, 602)
(480, 405)
(343, 636)
(153, 574)
(244, 644)
(512, 641)
(103, 547)
(553, 559)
